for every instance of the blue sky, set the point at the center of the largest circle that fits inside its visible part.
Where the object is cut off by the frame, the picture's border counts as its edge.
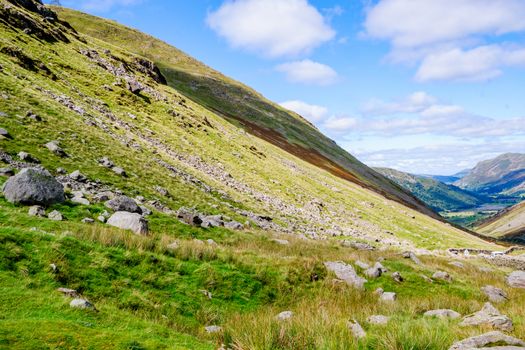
(426, 86)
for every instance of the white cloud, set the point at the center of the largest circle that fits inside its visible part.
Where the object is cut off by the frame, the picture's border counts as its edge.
(340, 124)
(416, 102)
(446, 36)
(274, 28)
(308, 72)
(100, 5)
(313, 113)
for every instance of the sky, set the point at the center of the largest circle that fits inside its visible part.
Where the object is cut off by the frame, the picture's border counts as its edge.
(423, 86)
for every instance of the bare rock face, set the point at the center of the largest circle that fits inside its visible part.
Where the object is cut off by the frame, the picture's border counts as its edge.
(442, 313)
(485, 341)
(516, 279)
(129, 221)
(346, 273)
(33, 186)
(488, 316)
(495, 295)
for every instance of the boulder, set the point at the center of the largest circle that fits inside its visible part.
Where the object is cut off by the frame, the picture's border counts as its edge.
(106, 162)
(346, 273)
(33, 186)
(56, 149)
(413, 257)
(378, 319)
(81, 304)
(78, 176)
(80, 200)
(357, 331)
(37, 210)
(375, 271)
(442, 313)
(441, 275)
(213, 329)
(26, 157)
(362, 264)
(485, 341)
(495, 295)
(285, 315)
(123, 203)
(55, 215)
(189, 216)
(488, 316)
(516, 279)
(101, 218)
(396, 276)
(119, 171)
(88, 221)
(129, 221)
(68, 292)
(388, 296)
(233, 225)
(211, 221)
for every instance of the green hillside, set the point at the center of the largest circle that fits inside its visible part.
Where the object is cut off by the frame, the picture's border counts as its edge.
(509, 223)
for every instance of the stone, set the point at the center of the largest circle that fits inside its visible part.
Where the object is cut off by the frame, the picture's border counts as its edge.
(396, 276)
(206, 293)
(80, 200)
(357, 245)
(145, 211)
(101, 218)
(106, 162)
(378, 319)
(4, 133)
(211, 221)
(346, 273)
(488, 316)
(56, 149)
(162, 191)
(234, 225)
(213, 329)
(413, 257)
(284, 316)
(457, 264)
(119, 171)
(516, 279)
(495, 295)
(7, 172)
(173, 245)
(26, 157)
(78, 176)
(189, 216)
(362, 265)
(33, 186)
(61, 171)
(37, 210)
(211, 242)
(129, 221)
(280, 241)
(375, 271)
(68, 292)
(55, 215)
(441, 275)
(485, 341)
(357, 331)
(442, 313)
(88, 221)
(81, 304)
(388, 296)
(123, 203)
(379, 291)
(103, 196)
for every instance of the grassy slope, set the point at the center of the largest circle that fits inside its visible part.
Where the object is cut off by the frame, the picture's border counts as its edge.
(437, 195)
(240, 104)
(509, 222)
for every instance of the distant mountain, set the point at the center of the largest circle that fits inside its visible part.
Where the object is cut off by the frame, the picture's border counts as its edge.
(509, 223)
(503, 175)
(448, 179)
(437, 195)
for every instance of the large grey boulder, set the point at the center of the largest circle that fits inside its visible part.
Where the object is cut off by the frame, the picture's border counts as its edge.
(485, 341)
(516, 279)
(496, 295)
(33, 186)
(346, 273)
(129, 221)
(123, 203)
(488, 316)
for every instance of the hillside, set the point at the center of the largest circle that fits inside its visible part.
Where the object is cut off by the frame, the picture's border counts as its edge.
(235, 229)
(509, 223)
(503, 175)
(437, 195)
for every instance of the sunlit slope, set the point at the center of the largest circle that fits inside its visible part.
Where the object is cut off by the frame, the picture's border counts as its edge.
(509, 223)
(241, 105)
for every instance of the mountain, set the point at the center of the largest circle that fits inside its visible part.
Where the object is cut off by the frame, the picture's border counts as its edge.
(509, 224)
(503, 175)
(448, 179)
(178, 222)
(437, 195)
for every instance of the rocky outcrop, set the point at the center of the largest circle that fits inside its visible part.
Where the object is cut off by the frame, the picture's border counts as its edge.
(32, 186)
(516, 279)
(495, 295)
(346, 273)
(129, 221)
(489, 341)
(488, 316)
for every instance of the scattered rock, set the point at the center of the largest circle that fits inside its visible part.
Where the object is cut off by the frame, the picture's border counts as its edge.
(346, 273)
(88, 221)
(495, 295)
(206, 293)
(189, 216)
(37, 210)
(413, 257)
(53, 267)
(80, 200)
(26, 157)
(213, 329)
(162, 191)
(123, 203)
(280, 241)
(55, 215)
(103, 196)
(378, 319)
(284, 316)
(68, 292)
(129, 221)
(7, 172)
(106, 162)
(441, 275)
(33, 186)
(488, 316)
(362, 265)
(357, 331)
(396, 276)
(211, 221)
(457, 264)
(375, 271)
(4, 134)
(379, 291)
(119, 171)
(101, 218)
(56, 149)
(516, 279)
(388, 296)
(145, 211)
(81, 304)
(234, 225)
(442, 313)
(357, 245)
(78, 176)
(484, 341)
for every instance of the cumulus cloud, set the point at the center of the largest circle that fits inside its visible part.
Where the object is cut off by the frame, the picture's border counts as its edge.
(313, 113)
(340, 124)
(444, 36)
(416, 102)
(308, 72)
(274, 28)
